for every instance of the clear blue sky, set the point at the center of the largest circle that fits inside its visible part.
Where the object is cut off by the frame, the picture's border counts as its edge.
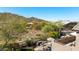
(47, 13)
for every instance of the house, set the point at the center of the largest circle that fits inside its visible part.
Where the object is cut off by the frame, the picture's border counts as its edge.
(69, 25)
(68, 43)
(67, 29)
(76, 27)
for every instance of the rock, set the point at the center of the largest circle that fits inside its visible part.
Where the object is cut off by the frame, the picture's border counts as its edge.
(50, 39)
(39, 48)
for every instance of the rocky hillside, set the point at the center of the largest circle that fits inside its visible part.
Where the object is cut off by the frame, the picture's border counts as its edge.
(13, 26)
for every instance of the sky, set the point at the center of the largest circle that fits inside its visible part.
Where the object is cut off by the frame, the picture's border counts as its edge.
(46, 13)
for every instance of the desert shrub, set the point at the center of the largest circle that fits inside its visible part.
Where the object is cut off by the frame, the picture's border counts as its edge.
(47, 28)
(54, 26)
(53, 34)
(29, 43)
(42, 36)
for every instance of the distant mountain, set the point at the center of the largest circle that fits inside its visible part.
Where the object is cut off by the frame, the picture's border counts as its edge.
(35, 19)
(14, 17)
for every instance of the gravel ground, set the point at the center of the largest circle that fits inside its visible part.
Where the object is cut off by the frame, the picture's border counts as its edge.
(59, 47)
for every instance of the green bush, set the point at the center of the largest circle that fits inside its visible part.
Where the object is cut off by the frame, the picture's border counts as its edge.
(53, 34)
(47, 28)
